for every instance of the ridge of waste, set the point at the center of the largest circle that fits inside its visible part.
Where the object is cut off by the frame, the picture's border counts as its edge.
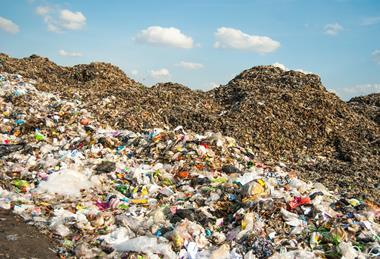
(281, 115)
(368, 105)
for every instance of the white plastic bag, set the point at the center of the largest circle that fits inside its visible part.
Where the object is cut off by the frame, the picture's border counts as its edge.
(145, 244)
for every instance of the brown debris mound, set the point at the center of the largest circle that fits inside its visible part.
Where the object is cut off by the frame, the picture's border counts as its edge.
(368, 106)
(65, 80)
(289, 113)
(284, 115)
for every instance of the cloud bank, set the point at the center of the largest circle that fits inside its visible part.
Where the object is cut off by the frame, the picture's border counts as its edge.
(333, 29)
(190, 65)
(169, 37)
(160, 73)
(230, 38)
(8, 25)
(64, 53)
(59, 20)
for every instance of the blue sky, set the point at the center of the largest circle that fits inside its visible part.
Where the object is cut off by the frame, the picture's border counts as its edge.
(203, 43)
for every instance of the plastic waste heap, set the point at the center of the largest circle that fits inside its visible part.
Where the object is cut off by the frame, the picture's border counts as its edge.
(163, 193)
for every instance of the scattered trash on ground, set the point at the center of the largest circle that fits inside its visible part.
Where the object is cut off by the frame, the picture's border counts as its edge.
(173, 193)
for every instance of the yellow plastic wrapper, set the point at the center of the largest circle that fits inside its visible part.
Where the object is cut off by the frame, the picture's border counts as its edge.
(139, 201)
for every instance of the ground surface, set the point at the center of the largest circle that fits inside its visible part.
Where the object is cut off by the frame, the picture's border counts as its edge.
(20, 240)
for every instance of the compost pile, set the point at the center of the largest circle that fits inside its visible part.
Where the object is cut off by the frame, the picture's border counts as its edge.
(114, 193)
(282, 115)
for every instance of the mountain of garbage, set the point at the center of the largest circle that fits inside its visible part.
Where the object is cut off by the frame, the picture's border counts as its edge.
(281, 115)
(103, 192)
(368, 106)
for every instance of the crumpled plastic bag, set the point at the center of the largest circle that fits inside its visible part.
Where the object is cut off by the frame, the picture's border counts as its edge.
(222, 252)
(118, 235)
(66, 182)
(348, 251)
(295, 254)
(145, 244)
(293, 220)
(61, 216)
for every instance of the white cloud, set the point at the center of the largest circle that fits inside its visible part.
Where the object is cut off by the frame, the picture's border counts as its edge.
(46, 13)
(333, 29)
(209, 86)
(279, 65)
(303, 71)
(160, 73)
(43, 10)
(134, 72)
(236, 39)
(332, 90)
(51, 25)
(371, 21)
(213, 85)
(172, 37)
(72, 20)
(8, 25)
(58, 20)
(190, 65)
(64, 53)
(357, 90)
(283, 67)
(376, 56)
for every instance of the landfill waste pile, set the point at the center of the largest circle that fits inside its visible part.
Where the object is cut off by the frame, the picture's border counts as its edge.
(169, 193)
(291, 114)
(368, 106)
(57, 78)
(282, 115)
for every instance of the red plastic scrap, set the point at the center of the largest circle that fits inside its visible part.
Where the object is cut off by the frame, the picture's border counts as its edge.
(298, 201)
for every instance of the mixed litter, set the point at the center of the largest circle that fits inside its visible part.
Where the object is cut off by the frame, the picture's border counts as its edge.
(163, 193)
(285, 116)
